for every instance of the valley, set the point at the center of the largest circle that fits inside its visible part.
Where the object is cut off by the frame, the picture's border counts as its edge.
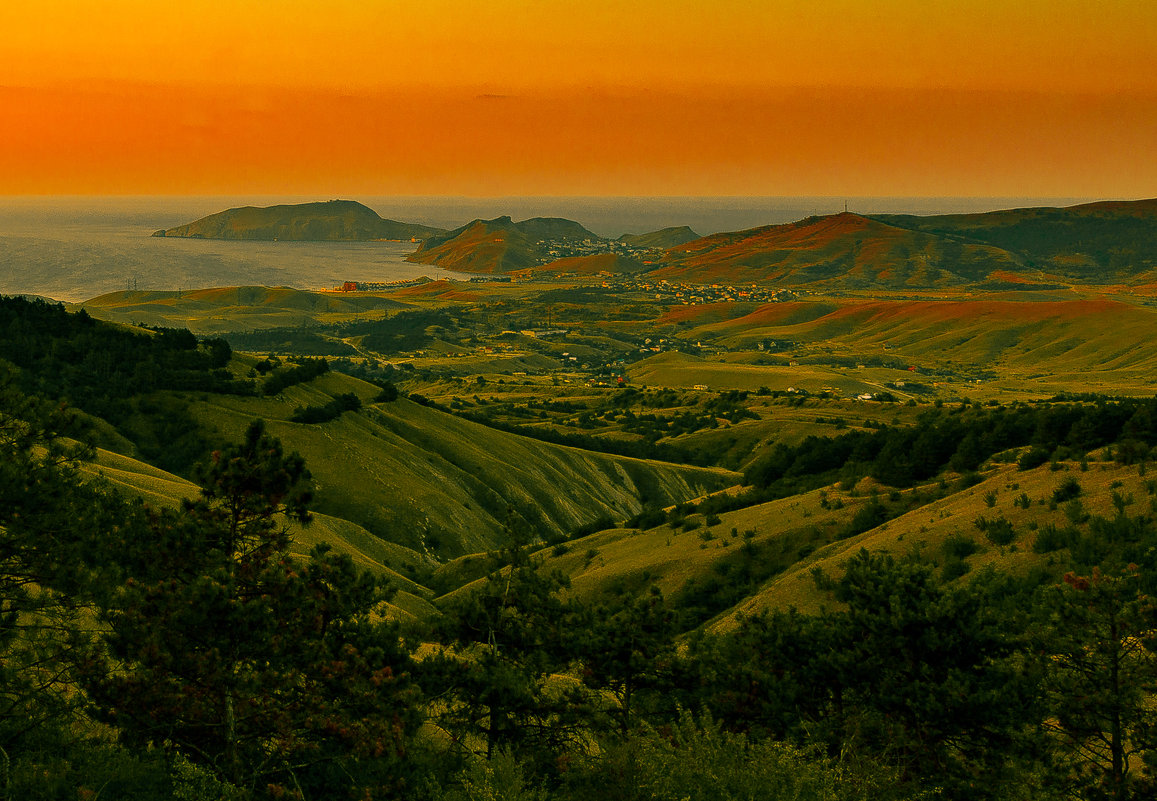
(750, 454)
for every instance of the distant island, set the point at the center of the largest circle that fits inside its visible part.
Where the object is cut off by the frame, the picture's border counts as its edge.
(329, 221)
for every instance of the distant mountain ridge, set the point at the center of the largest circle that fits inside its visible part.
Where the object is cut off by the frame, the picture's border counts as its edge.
(329, 221)
(1109, 242)
(1097, 243)
(846, 248)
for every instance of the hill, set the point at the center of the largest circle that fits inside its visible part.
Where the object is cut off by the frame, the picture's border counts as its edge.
(330, 221)
(847, 249)
(241, 308)
(664, 238)
(613, 263)
(161, 489)
(500, 245)
(442, 485)
(1096, 242)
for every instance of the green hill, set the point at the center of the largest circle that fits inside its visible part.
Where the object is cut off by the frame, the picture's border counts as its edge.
(1096, 242)
(160, 489)
(330, 221)
(241, 308)
(443, 485)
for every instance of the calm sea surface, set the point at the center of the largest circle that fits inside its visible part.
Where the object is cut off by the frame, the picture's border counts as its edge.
(76, 248)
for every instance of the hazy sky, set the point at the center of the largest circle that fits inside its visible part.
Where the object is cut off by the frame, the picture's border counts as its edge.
(586, 97)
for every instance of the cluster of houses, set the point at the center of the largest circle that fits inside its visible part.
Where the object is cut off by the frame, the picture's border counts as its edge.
(567, 248)
(689, 294)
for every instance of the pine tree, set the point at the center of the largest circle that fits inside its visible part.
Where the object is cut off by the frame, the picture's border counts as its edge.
(243, 659)
(47, 520)
(629, 652)
(1102, 679)
(508, 637)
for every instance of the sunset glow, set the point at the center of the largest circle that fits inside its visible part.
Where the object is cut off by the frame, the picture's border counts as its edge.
(967, 97)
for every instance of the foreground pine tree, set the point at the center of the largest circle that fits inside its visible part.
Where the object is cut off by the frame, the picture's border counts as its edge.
(244, 660)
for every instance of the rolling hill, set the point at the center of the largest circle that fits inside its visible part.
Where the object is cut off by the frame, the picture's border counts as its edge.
(1094, 242)
(242, 308)
(613, 263)
(330, 221)
(499, 245)
(442, 485)
(845, 249)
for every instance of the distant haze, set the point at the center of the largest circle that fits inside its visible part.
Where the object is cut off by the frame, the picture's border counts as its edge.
(75, 248)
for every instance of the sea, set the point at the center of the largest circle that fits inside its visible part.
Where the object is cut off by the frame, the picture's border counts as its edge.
(77, 248)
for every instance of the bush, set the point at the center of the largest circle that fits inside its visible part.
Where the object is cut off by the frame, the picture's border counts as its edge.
(389, 393)
(1069, 488)
(1049, 538)
(702, 762)
(867, 517)
(960, 546)
(998, 531)
(1033, 458)
(347, 402)
(953, 569)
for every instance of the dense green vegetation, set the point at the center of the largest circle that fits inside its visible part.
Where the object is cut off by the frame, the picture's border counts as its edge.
(959, 439)
(149, 652)
(258, 676)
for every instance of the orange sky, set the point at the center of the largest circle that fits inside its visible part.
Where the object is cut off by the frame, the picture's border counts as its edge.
(522, 97)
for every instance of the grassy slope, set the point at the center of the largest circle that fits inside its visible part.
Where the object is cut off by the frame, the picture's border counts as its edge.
(925, 530)
(844, 247)
(1037, 348)
(158, 488)
(592, 265)
(1096, 241)
(663, 238)
(209, 311)
(480, 247)
(432, 481)
(496, 246)
(801, 534)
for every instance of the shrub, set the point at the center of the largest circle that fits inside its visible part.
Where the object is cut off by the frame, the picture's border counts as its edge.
(1069, 488)
(953, 569)
(1049, 538)
(867, 517)
(998, 531)
(1033, 458)
(960, 546)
